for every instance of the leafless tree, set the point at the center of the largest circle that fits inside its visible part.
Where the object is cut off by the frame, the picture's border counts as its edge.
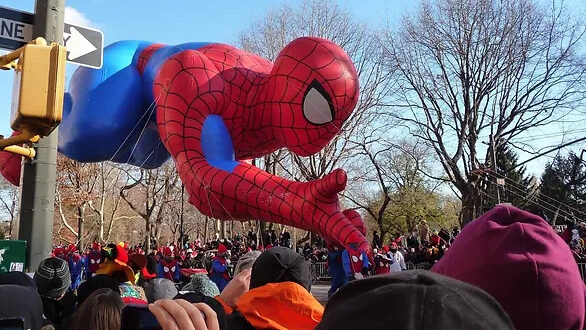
(470, 72)
(149, 193)
(9, 195)
(77, 185)
(391, 181)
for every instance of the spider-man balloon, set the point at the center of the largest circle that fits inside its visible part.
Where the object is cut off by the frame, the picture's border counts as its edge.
(210, 106)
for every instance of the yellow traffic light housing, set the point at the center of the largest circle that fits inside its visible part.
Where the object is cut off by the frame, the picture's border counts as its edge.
(37, 96)
(39, 84)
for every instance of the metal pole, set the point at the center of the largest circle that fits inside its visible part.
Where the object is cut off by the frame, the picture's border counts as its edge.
(37, 196)
(493, 147)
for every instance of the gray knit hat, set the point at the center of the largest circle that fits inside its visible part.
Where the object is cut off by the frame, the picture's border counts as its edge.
(202, 284)
(52, 278)
(159, 288)
(246, 261)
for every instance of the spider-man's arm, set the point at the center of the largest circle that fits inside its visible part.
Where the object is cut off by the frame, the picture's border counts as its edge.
(191, 98)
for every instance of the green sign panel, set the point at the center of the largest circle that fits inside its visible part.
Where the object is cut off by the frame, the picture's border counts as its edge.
(12, 256)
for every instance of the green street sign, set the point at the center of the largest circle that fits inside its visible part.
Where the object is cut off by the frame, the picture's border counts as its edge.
(12, 256)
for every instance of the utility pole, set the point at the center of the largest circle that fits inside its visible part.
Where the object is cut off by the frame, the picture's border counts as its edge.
(37, 196)
(493, 147)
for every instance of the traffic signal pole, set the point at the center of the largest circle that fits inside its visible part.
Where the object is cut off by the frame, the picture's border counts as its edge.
(37, 196)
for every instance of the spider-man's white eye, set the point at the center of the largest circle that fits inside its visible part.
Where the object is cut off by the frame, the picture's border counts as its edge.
(317, 104)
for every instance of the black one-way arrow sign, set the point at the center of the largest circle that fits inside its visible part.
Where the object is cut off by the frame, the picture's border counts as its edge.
(85, 46)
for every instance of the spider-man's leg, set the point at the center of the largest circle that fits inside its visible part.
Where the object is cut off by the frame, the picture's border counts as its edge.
(190, 92)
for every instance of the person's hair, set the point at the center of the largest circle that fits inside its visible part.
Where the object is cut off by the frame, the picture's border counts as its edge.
(101, 310)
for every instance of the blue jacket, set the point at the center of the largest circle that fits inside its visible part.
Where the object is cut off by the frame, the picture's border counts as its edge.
(335, 267)
(219, 273)
(76, 272)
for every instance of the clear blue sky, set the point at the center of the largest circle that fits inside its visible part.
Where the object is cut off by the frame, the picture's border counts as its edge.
(182, 21)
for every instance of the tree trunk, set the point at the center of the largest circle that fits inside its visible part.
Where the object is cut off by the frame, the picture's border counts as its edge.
(80, 215)
(470, 205)
(205, 230)
(147, 228)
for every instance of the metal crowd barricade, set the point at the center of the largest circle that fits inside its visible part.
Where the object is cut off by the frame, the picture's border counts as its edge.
(319, 271)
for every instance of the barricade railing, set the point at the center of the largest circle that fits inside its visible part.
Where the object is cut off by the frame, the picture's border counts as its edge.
(319, 271)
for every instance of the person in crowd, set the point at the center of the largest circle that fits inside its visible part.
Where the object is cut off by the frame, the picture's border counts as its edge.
(354, 267)
(201, 284)
(246, 261)
(434, 239)
(382, 262)
(397, 262)
(202, 261)
(219, 273)
(152, 261)
(335, 269)
(278, 295)
(415, 299)
(189, 261)
(93, 260)
(168, 267)
(413, 241)
(100, 281)
(21, 302)
(76, 266)
(53, 280)
(159, 288)
(517, 258)
(424, 231)
(101, 310)
(376, 241)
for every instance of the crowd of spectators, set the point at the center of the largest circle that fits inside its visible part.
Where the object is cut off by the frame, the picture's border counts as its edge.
(237, 284)
(573, 234)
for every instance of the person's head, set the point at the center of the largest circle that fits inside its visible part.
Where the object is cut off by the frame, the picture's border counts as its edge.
(101, 310)
(246, 261)
(95, 283)
(17, 278)
(201, 284)
(393, 247)
(52, 278)
(280, 264)
(168, 253)
(159, 288)
(222, 250)
(414, 299)
(23, 302)
(543, 287)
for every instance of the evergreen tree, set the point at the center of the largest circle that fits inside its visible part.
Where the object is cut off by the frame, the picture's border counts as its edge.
(562, 193)
(518, 188)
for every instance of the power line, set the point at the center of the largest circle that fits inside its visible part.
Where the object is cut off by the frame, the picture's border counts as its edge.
(519, 187)
(566, 213)
(546, 152)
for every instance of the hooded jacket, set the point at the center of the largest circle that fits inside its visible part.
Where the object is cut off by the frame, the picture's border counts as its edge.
(285, 305)
(517, 258)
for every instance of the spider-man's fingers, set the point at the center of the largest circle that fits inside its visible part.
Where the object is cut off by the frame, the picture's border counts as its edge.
(331, 184)
(356, 219)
